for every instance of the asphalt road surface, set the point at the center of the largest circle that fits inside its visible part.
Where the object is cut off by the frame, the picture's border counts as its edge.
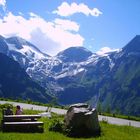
(110, 120)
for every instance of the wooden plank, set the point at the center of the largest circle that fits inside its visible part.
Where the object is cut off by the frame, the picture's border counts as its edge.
(20, 117)
(23, 127)
(23, 123)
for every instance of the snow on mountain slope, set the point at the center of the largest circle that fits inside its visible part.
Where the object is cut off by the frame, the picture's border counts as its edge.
(27, 51)
(49, 70)
(21, 50)
(78, 75)
(25, 48)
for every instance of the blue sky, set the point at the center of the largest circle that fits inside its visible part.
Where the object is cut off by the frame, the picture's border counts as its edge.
(55, 25)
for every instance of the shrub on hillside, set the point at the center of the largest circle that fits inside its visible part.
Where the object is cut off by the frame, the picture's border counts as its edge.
(56, 126)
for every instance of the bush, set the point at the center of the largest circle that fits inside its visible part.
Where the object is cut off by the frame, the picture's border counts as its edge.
(4, 106)
(56, 126)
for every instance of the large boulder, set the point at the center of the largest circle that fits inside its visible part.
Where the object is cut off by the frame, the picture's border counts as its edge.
(80, 120)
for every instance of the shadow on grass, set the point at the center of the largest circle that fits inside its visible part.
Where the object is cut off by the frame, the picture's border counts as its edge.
(22, 129)
(81, 132)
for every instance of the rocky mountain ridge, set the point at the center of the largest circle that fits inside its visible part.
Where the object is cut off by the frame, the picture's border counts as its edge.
(15, 83)
(78, 75)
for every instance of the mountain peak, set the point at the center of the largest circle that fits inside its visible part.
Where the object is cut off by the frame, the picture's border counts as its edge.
(3, 45)
(20, 42)
(74, 54)
(16, 40)
(1, 37)
(133, 45)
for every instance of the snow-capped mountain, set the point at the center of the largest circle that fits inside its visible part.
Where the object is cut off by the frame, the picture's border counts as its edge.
(67, 63)
(21, 50)
(15, 83)
(74, 54)
(78, 75)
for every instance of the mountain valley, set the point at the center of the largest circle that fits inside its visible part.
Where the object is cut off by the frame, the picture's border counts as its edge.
(111, 80)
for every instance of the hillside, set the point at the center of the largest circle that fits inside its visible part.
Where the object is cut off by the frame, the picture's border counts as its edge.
(76, 75)
(16, 84)
(111, 81)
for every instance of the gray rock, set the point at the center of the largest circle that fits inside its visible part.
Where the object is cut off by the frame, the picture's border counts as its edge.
(81, 120)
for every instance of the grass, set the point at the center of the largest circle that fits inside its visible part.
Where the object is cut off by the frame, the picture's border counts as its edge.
(108, 132)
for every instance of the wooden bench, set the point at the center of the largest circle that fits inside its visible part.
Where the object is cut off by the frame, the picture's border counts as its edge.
(22, 123)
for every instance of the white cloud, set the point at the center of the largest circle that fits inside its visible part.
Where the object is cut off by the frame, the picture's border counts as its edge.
(66, 25)
(66, 10)
(3, 3)
(20, 13)
(33, 14)
(105, 50)
(50, 37)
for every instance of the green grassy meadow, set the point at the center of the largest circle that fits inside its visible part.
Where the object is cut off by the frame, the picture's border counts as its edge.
(108, 132)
